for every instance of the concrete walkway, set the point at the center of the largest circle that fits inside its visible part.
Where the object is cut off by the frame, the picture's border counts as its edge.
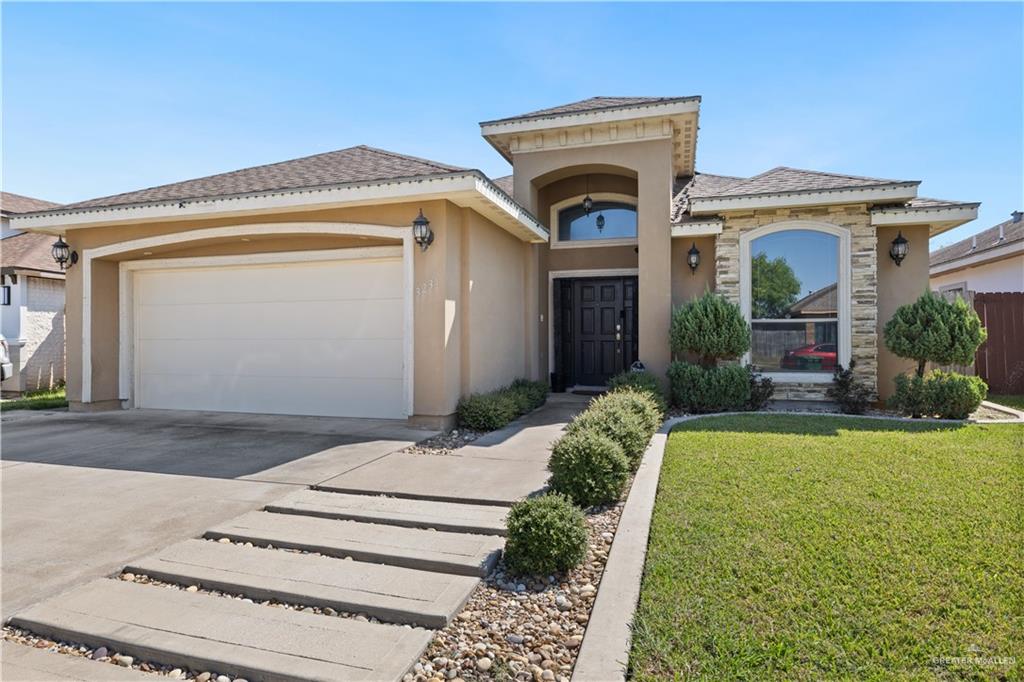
(499, 468)
(406, 565)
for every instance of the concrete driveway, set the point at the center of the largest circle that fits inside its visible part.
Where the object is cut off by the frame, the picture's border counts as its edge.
(82, 494)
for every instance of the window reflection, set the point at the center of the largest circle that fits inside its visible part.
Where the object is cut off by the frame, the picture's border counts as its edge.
(607, 220)
(794, 301)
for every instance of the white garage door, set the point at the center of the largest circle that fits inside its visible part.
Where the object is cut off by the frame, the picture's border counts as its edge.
(316, 338)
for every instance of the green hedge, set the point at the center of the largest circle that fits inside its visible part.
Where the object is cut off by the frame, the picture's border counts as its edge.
(944, 394)
(545, 535)
(617, 420)
(589, 468)
(644, 381)
(490, 411)
(699, 389)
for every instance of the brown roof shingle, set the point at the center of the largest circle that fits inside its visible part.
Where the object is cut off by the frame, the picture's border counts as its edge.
(351, 165)
(979, 243)
(18, 203)
(593, 104)
(699, 184)
(504, 183)
(784, 179)
(27, 251)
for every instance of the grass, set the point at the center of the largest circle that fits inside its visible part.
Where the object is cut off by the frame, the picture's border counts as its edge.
(808, 548)
(37, 400)
(1015, 401)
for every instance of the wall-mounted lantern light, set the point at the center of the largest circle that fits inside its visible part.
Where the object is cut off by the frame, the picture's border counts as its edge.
(63, 254)
(693, 258)
(421, 231)
(899, 248)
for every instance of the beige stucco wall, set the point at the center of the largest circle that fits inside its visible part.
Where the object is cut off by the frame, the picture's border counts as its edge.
(545, 177)
(898, 286)
(440, 281)
(687, 284)
(864, 291)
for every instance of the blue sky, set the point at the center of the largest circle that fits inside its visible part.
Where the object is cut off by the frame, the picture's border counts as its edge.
(100, 99)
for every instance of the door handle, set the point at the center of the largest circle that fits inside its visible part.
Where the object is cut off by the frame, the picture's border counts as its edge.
(618, 336)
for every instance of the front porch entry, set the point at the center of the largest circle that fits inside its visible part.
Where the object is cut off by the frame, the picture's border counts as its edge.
(594, 323)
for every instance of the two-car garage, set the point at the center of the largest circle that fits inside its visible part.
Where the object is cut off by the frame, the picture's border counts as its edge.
(307, 337)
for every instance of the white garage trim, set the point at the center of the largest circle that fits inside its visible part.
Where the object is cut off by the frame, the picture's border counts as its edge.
(124, 294)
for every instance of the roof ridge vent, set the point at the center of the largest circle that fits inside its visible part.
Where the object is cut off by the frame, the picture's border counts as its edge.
(1016, 216)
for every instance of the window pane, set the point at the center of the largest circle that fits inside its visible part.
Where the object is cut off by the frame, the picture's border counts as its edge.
(793, 274)
(794, 346)
(619, 222)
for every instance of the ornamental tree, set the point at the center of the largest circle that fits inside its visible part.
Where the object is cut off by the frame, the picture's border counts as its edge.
(710, 327)
(933, 329)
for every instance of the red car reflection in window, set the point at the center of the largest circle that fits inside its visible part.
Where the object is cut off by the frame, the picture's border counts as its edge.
(810, 357)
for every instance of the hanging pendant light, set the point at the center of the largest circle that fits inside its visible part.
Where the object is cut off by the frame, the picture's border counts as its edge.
(600, 222)
(588, 203)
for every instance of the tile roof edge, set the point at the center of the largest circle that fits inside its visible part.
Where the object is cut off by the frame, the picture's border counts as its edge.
(881, 185)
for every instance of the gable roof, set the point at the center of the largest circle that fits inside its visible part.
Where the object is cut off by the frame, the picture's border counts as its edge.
(18, 203)
(354, 164)
(27, 251)
(986, 240)
(593, 104)
(783, 179)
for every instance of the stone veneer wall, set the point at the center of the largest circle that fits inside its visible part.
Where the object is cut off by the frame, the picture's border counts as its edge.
(863, 282)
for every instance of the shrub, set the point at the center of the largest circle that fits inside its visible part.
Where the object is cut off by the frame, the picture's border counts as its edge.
(852, 396)
(933, 329)
(709, 389)
(618, 421)
(588, 467)
(490, 411)
(909, 398)
(644, 382)
(762, 389)
(710, 327)
(545, 534)
(487, 411)
(536, 392)
(953, 396)
(641, 404)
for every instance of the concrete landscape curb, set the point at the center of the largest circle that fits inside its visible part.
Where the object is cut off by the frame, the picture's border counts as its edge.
(604, 652)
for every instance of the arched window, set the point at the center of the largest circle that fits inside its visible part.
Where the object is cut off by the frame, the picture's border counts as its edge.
(795, 297)
(606, 220)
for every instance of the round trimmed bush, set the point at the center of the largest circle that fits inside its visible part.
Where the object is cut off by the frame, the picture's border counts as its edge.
(711, 327)
(589, 468)
(699, 389)
(545, 535)
(953, 396)
(618, 422)
(641, 403)
(644, 381)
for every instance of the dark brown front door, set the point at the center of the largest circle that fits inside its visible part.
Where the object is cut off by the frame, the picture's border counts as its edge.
(603, 328)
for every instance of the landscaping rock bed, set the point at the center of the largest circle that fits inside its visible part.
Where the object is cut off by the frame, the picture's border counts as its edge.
(445, 443)
(103, 655)
(523, 629)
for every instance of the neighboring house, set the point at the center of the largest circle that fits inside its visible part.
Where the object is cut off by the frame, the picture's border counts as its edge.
(32, 304)
(990, 261)
(298, 287)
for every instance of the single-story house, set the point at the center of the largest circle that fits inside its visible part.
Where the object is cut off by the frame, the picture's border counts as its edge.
(312, 286)
(32, 303)
(991, 261)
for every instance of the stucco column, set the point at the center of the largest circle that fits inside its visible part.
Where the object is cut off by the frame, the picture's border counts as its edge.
(654, 237)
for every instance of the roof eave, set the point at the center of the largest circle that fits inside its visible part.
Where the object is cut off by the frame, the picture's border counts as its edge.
(939, 218)
(897, 191)
(453, 185)
(970, 260)
(626, 112)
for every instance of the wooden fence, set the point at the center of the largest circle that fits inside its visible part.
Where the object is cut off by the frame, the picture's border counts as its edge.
(1000, 360)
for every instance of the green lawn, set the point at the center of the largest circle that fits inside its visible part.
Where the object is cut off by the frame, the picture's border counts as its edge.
(808, 548)
(1014, 401)
(37, 400)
